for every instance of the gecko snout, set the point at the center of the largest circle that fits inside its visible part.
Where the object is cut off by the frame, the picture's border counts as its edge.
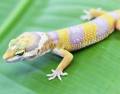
(8, 54)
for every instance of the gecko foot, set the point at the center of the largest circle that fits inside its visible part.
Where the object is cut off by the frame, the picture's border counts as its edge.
(56, 73)
(88, 16)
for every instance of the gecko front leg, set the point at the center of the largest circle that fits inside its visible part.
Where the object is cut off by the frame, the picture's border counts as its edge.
(67, 58)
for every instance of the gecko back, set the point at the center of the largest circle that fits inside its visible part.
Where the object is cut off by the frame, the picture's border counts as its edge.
(79, 36)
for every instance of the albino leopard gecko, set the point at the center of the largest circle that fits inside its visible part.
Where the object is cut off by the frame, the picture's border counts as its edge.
(61, 42)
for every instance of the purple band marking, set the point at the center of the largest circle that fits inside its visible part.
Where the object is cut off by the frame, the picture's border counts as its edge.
(54, 36)
(76, 34)
(114, 15)
(102, 27)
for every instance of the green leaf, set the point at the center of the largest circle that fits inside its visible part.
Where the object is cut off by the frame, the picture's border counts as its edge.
(94, 70)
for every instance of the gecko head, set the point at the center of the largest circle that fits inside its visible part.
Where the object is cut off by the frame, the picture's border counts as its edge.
(25, 47)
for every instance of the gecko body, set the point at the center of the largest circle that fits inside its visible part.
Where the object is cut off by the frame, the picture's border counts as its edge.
(79, 36)
(61, 42)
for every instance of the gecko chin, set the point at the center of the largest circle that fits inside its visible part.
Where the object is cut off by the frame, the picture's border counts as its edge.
(16, 59)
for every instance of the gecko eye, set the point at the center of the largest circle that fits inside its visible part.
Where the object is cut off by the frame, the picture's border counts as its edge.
(20, 53)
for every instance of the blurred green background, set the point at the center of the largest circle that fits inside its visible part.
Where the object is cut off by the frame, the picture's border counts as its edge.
(94, 70)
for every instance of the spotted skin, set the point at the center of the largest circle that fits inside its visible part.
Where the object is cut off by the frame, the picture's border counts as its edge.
(79, 36)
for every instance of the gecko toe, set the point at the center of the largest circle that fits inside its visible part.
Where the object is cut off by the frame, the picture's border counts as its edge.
(56, 73)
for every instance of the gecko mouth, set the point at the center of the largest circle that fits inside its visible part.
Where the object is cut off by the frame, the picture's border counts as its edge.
(14, 59)
(17, 58)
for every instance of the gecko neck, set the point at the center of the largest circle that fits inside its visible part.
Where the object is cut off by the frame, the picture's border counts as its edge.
(46, 43)
(53, 35)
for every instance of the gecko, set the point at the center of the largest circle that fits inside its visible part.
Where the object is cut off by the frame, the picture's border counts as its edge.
(29, 45)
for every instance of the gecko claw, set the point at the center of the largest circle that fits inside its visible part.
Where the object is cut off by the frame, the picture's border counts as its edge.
(56, 73)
